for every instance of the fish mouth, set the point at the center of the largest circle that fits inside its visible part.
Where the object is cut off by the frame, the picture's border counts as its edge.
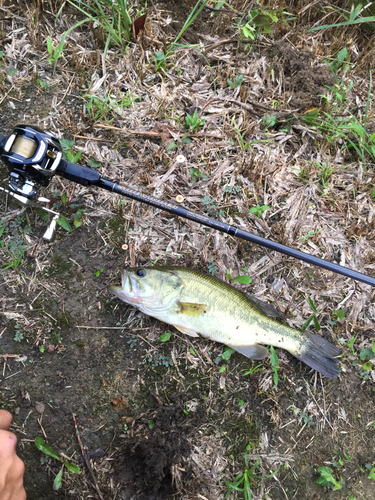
(127, 291)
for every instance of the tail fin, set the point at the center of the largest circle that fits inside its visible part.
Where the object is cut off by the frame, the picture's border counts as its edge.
(320, 355)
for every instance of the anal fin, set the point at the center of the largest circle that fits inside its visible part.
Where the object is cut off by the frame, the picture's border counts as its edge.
(254, 351)
(188, 331)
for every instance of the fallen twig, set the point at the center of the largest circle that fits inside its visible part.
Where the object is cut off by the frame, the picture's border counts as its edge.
(87, 461)
(151, 133)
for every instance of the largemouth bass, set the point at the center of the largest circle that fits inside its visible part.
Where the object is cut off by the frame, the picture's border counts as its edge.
(198, 304)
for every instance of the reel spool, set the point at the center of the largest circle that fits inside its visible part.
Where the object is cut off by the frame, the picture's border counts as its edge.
(32, 157)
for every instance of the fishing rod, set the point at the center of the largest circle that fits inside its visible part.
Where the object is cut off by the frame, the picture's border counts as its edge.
(33, 157)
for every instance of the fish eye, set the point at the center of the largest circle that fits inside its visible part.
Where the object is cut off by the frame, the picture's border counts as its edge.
(141, 273)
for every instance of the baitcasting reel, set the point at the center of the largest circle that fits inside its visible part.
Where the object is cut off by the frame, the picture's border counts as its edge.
(32, 157)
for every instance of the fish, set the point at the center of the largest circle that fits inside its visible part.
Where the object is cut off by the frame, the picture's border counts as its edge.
(198, 304)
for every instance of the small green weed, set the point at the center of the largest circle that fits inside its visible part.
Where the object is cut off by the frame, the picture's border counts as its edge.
(342, 61)
(309, 234)
(327, 479)
(275, 366)
(165, 337)
(351, 342)
(78, 217)
(56, 53)
(42, 446)
(157, 360)
(313, 317)
(338, 315)
(237, 82)
(10, 71)
(367, 354)
(62, 220)
(99, 272)
(340, 461)
(246, 145)
(107, 107)
(159, 59)
(18, 334)
(12, 236)
(133, 342)
(235, 190)
(261, 20)
(56, 337)
(307, 419)
(247, 479)
(324, 174)
(268, 121)
(212, 268)
(252, 371)
(372, 471)
(228, 351)
(258, 22)
(15, 256)
(244, 279)
(364, 364)
(64, 223)
(67, 146)
(197, 175)
(43, 84)
(212, 209)
(193, 122)
(258, 210)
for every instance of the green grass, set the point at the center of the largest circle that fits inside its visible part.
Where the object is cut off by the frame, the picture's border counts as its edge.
(193, 121)
(112, 17)
(241, 140)
(161, 58)
(246, 480)
(106, 108)
(351, 18)
(258, 210)
(340, 124)
(42, 446)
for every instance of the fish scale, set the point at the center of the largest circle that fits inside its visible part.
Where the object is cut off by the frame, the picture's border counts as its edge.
(236, 322)
(199, 304)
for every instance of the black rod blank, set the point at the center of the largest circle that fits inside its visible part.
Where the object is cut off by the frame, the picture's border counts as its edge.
(87, 176)
(233, 231)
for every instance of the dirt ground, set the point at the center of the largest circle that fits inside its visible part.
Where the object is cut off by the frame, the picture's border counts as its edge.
(162, 420)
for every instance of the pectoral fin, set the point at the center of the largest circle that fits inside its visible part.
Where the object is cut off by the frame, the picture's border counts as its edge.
(264, 308)
(254, 351)
(191, 309)
(188, 331)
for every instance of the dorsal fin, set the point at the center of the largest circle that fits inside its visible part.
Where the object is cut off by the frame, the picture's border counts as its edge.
(264, 308)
